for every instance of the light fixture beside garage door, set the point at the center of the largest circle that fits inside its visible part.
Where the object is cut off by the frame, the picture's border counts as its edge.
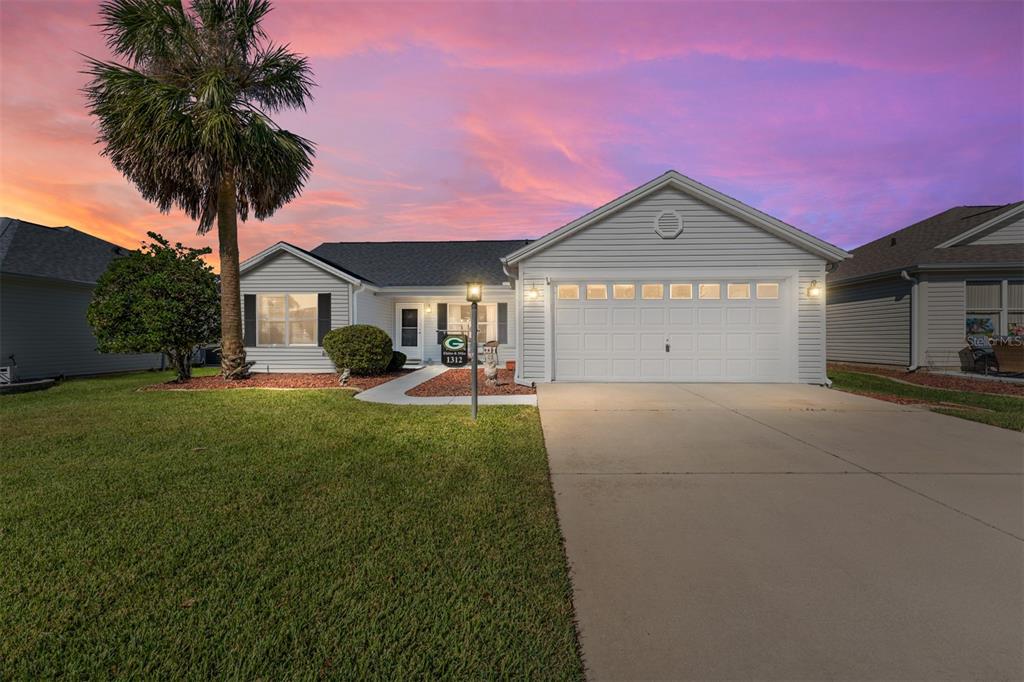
(668, 224)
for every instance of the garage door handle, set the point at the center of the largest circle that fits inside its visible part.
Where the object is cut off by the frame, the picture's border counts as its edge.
(667, 346)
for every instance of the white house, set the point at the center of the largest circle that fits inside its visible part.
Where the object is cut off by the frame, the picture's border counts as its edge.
(672, 281)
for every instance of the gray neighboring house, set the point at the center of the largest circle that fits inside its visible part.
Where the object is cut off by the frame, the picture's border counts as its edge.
(672, 281)
(47, 275)
(910, 297)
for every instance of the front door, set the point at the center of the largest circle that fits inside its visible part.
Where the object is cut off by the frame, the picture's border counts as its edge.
(409, 330)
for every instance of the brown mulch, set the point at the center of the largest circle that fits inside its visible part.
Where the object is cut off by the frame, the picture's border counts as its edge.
(922, 378)
(456, 382)
(265, 380)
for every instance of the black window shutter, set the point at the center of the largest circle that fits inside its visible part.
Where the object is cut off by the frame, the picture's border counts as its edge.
(323, 317)
(249, 314)
(503, 323)
(442, 321)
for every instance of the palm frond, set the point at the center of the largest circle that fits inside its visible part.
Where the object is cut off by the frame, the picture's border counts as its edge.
(278, 79)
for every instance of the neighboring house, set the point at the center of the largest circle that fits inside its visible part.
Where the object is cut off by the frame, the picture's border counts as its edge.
(911, 297)
(672, 281)
(47, 275)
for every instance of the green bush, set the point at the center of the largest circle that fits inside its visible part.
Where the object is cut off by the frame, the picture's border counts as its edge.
(360, 348)
(398, 359)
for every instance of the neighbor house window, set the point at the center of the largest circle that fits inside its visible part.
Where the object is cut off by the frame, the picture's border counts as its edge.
(460, 320)
(1015, 308)
(286, 319)
(568, 292)
(680, 291)
(984, 308)
(738, 291)
(767, 290)
(624, 292)
(652, 292)
(710, 292)
(597, 292)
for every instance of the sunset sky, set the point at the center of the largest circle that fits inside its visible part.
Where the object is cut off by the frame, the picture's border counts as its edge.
(501, 120)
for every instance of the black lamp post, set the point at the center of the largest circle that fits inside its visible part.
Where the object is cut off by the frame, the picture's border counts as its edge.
(474, 292)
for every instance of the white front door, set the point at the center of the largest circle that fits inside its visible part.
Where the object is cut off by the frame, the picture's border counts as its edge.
(409, 329)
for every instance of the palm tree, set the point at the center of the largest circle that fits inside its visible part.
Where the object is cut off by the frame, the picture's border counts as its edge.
(186, 119)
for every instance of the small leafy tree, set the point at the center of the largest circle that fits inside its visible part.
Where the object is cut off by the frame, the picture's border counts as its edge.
(158, 299)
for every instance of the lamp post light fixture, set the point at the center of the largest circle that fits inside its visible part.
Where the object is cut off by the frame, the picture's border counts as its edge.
(814, 290)
(474, 293)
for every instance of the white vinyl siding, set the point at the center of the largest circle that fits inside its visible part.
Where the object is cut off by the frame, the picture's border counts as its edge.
(43, 324)
(711, 239)
(286, 273)
(870, 323)
(1013, 233)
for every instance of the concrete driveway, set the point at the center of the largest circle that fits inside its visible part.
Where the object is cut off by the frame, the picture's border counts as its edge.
(784, 531)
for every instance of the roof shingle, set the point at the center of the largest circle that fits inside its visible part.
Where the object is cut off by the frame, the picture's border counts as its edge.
(61, 253)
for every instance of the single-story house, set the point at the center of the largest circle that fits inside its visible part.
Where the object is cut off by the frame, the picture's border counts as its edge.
(673, 281)
(911, 297)
(47, 276)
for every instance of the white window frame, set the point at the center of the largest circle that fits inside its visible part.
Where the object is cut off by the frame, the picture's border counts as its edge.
(287, 322)
(1000, 313)
(489, 328)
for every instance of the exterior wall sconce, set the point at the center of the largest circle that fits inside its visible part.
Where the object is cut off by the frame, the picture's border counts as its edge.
(474, 292)
(531, 294)
(427, 308)
(814, 290)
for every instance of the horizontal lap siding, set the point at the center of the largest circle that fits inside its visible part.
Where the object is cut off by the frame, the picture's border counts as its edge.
(711, 238)
(870, 323)
(43, 324)
(945, 311)
(289, 274)
(1008, 234)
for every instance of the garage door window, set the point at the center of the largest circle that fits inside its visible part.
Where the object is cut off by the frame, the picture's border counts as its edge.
(680, 291)
(624, 292)
(767, 290)
(738, 291)
(597, 292)
(710, 292)
(652, 292)
(568, 292)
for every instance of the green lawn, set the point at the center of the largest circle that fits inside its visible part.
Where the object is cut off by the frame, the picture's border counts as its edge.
(997, 410)
(275, 534)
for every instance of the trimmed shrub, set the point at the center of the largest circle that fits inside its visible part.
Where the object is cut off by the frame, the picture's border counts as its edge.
(360, 348)
(397, 361)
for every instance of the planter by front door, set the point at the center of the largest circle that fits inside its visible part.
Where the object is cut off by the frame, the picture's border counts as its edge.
(409, 330)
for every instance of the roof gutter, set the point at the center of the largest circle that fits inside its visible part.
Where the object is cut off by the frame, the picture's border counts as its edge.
(914, 316)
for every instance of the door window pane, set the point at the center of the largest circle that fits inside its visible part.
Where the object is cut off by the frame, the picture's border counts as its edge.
(597, 292)
(624, 292)
(680, 291)
(410, 317)
(568, 292)
(767, 290)
(738, 291)
(652, 292)
(710, 292)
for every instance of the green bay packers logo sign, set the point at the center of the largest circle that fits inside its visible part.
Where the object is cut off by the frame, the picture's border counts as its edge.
(454, 350)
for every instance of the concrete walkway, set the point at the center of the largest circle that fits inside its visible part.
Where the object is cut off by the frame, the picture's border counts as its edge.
(786, 532)
(393, 392)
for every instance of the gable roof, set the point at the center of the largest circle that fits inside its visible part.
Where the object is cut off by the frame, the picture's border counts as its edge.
(921, 245)
(302, 254)
(59, 253)
(1000, 216)
(699, 191)
(395, 264)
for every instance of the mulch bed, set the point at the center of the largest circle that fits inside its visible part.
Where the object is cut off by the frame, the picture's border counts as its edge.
(455, 382)
(265, 380)
(952, 383)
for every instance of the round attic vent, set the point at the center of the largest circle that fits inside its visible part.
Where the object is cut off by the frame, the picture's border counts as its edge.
(668, 224)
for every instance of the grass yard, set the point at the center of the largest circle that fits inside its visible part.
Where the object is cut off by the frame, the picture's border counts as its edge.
(275, 534)
(998, 410)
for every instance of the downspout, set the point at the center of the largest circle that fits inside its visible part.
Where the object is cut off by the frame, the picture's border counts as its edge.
(914, 331)
(517, 377)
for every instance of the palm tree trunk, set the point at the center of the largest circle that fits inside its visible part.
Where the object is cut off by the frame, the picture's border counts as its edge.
(232, 348)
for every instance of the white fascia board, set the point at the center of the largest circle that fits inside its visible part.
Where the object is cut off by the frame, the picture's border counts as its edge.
(442, 290)
(710, 196)
(254, 261)
(978, 229)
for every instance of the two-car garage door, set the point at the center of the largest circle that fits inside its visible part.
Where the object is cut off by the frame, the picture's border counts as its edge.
(678, 330)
